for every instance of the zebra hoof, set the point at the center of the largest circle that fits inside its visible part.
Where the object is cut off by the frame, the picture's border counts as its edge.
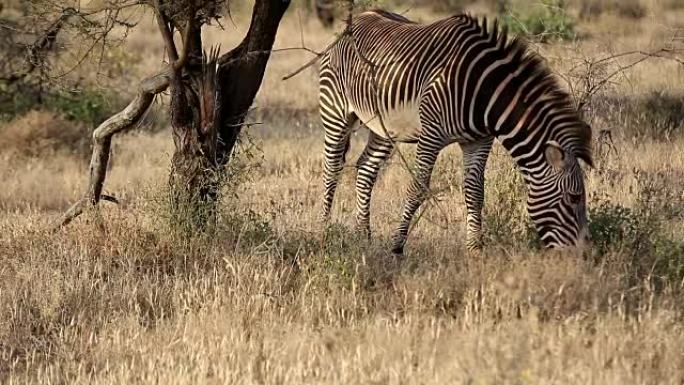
(363, 232)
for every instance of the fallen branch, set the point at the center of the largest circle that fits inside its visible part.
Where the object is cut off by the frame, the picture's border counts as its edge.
(102, 141)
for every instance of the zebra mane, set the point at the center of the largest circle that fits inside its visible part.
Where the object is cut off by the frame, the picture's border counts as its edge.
(391, 15)
(579, 134)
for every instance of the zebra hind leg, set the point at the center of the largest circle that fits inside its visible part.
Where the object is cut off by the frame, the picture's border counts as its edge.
(474, 161)
(426, 156)
(377, 151)
(336, 147)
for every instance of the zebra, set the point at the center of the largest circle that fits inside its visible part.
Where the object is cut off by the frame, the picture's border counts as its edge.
(459, 80)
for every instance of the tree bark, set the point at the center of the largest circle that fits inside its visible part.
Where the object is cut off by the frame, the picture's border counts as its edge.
(210, 101)
(241, 72)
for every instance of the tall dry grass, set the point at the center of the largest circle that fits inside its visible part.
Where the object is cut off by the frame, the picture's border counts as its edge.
(269, 295)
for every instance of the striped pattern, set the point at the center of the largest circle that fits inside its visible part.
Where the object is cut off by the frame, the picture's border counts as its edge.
(455, 80)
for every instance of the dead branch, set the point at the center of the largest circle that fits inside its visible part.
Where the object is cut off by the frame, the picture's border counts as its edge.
(166, 33)
(127, 118)
(600, 84)
(315, 59)
(591, 83)
(102, 141)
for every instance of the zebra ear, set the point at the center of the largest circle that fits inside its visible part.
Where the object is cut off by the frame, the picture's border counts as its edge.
(555, 155)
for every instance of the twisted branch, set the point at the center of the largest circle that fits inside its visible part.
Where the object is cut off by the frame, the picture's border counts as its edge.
(102, 142)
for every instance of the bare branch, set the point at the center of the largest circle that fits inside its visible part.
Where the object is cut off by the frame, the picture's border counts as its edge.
(166, 33)
(102, 141)
(591, 84)
(315, 59)
(180, 61)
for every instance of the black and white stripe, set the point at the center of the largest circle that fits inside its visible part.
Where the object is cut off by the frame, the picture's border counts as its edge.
(454, 80)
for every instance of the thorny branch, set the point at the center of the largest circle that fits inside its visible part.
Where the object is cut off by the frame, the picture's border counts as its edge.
(589, 76)
(592, 85)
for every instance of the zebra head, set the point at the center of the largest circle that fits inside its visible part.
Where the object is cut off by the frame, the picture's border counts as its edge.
(557, 201)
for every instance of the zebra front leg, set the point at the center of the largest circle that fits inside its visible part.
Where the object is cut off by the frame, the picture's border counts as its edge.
(377, 151)
(474, 161)
(336, 147)
(426, 156)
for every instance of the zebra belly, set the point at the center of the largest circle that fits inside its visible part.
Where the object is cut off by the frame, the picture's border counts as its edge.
(401, 124)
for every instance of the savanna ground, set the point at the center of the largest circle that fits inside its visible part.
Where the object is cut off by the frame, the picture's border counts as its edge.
(269, 295)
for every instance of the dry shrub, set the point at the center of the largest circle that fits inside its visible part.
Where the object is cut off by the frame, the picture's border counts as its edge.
(658, 115)
(633, 9)
(40, 133)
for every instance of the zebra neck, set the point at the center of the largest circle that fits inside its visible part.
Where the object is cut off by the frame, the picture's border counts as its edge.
(525, 128)
(533, 170)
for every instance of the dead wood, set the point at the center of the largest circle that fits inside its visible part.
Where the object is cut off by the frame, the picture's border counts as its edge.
(102, 142)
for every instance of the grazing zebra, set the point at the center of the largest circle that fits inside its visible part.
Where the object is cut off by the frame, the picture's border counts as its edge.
(453, 80)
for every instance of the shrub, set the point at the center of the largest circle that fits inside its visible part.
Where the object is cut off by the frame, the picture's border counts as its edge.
(639, 233)
(544, 22)
(37, 133)
(612, 226)
(658, 115)
(232, 220)
(664, 112)
(87, 106)
(638, 237)
(633, 9)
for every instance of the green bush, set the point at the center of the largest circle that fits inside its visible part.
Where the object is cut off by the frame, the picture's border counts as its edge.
(87, 106)
(640, 233)
(544, 22)
(612, 226)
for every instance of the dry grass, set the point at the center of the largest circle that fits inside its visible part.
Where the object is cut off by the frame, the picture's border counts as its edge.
(270, 296)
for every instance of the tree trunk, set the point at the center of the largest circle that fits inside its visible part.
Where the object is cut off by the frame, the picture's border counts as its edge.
(210, 98)
(194, 172)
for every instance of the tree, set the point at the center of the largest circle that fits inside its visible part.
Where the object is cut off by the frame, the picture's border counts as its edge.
(210, 93)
